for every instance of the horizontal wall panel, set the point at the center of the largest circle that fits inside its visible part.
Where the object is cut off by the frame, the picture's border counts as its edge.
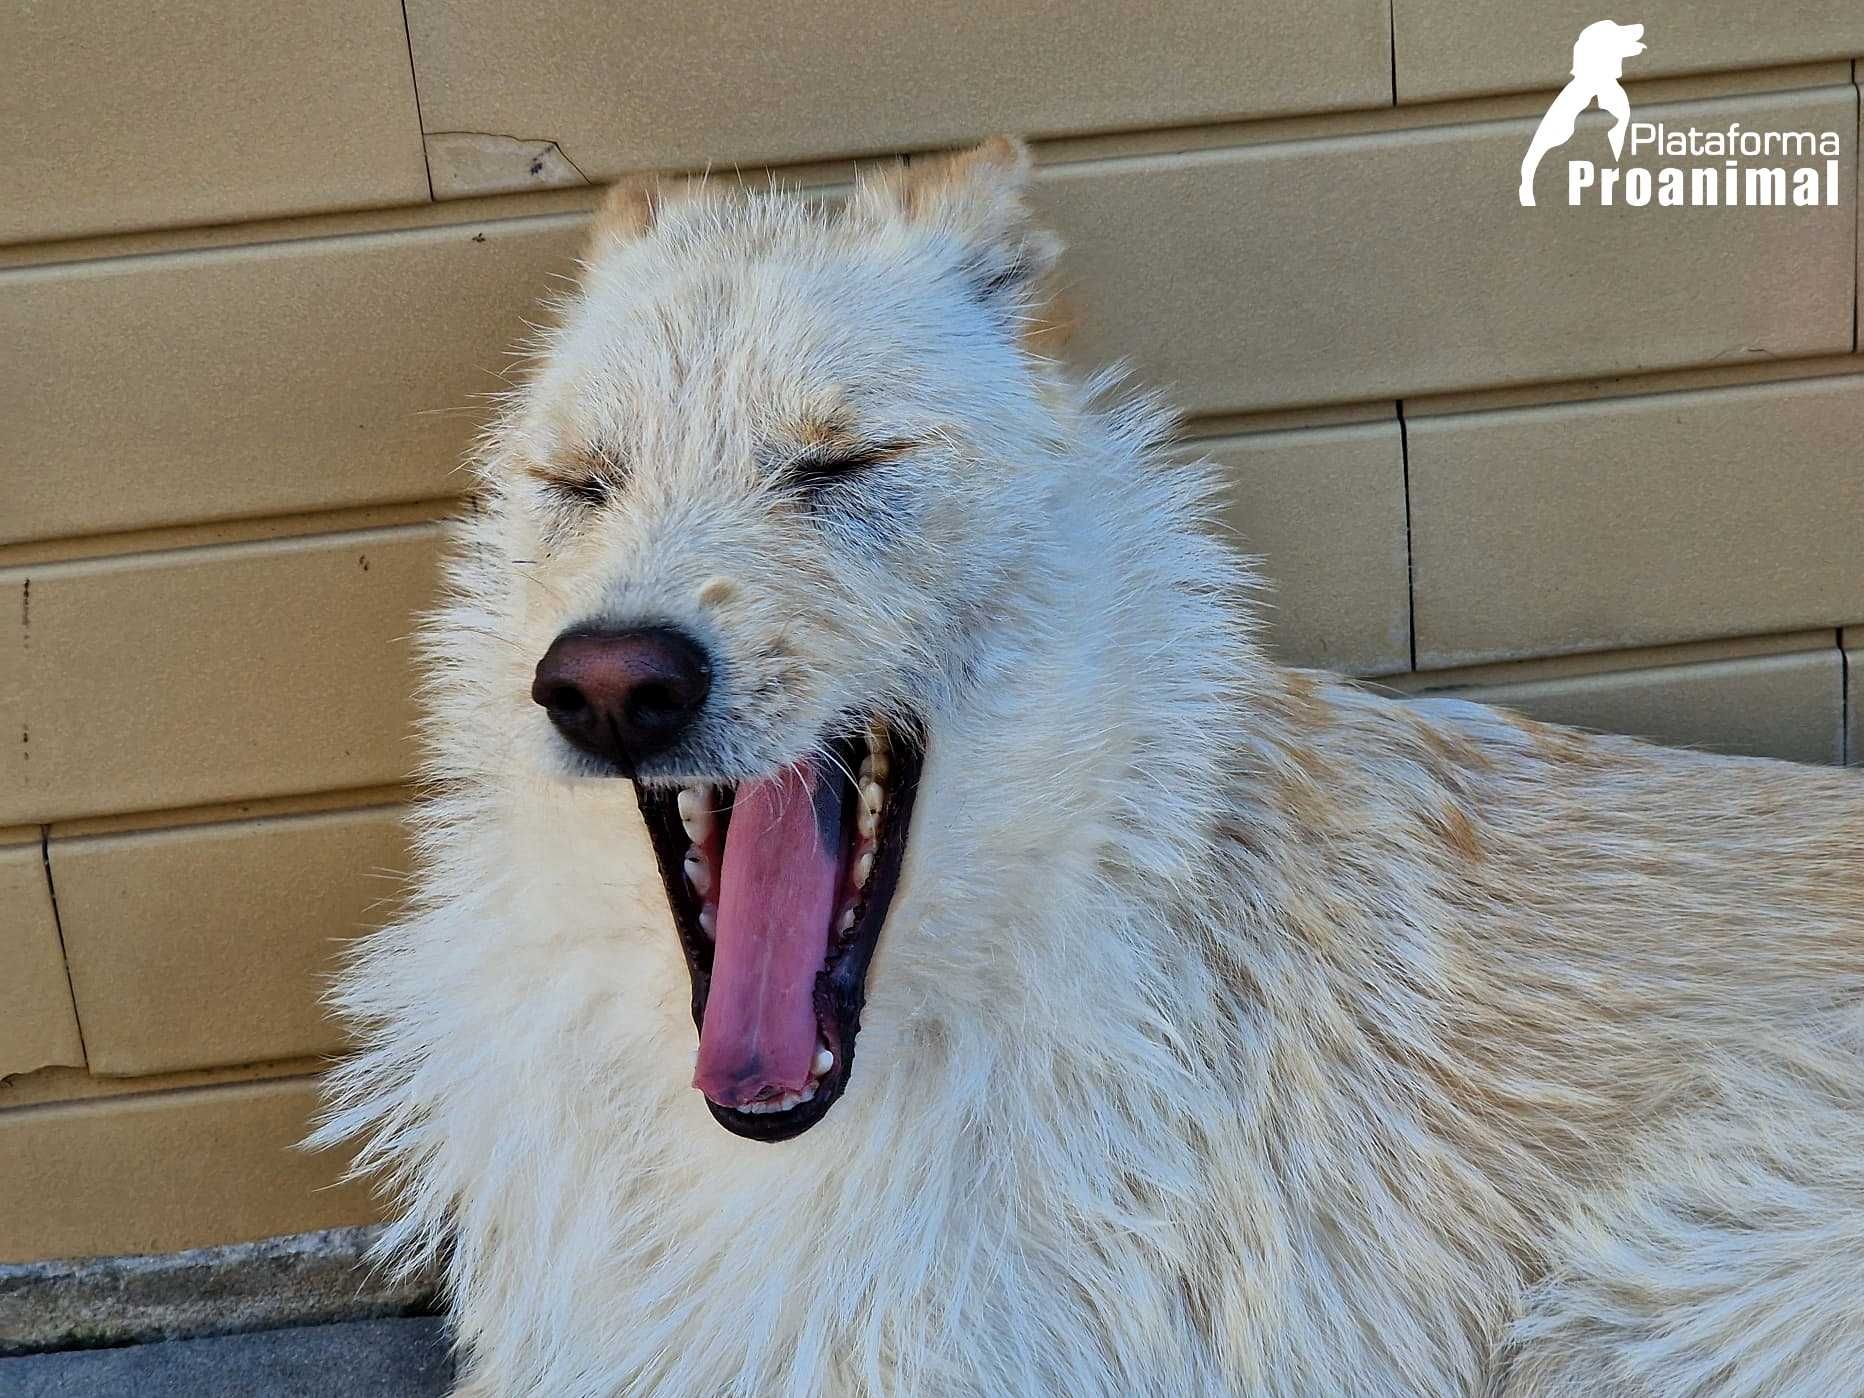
(168, 1171)
(123, 115)
(213, 944)
(38, 1028)
(212, 674)
(1637, 521)
(674, 86)
(1324, 511)
(1449, 50)
(260, 380)
(1402, 263)
(1785, 706)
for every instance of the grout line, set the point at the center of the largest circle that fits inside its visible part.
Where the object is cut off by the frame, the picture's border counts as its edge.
(1658, 655)
(1844, 704)
(420, 119)
(172, 539)
(1410, 551)
(1610, 386)
(58, 925)
(283, 806)
(295, 1073)
(1391, 20)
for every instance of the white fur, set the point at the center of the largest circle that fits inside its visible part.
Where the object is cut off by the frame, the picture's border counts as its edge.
(1201, 1054)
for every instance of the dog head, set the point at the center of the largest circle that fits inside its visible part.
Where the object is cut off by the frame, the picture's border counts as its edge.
(1602, 47)
(771, 491)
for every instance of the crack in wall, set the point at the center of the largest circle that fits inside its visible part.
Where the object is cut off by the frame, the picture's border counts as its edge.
(1391, 20)
(58, 926)
(414, 78)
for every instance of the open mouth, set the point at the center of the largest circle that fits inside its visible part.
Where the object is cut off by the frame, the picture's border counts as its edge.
(779, 888)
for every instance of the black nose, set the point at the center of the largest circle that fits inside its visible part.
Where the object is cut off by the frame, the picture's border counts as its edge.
(624, 695)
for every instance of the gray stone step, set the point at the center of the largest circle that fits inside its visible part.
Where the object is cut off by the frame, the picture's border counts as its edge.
(400, 1358)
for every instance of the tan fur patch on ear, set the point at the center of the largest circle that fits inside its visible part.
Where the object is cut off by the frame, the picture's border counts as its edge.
(635, 206)
(981, 196)
(1000, 168)
(628, 212)
(1049, 326)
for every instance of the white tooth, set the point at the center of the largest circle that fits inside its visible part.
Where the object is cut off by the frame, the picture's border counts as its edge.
(695, 803)
(845, 923)
(708, 920)
(824, 1060)
(863, 866)
(868, 824)
(872, 797)
(698, 872)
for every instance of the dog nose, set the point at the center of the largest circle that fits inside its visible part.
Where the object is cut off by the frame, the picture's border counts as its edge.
(624, 695)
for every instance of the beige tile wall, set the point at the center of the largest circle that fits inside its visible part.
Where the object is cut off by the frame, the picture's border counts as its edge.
(1637, 520)
(257, 266)
(161, 1171)
(211, 945)
(263, 380)
(1441, 53)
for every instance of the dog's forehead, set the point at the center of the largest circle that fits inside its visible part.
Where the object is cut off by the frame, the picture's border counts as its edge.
(808, 336)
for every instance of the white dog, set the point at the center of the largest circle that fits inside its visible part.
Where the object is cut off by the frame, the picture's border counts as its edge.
(1599, 56)
(1085, 1004)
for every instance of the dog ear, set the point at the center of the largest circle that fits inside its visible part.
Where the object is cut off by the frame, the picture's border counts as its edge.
(627, 212)
(980, 197)
(634, 206)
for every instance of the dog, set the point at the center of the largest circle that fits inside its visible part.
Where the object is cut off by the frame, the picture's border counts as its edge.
(1085, 1003)
(1599, 56)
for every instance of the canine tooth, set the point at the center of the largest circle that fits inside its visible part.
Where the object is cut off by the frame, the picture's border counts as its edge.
(698, 872)
(874, 767)
(708, 920)
(824, 1060)
(872, 797)
(863, 866)
(695, 803)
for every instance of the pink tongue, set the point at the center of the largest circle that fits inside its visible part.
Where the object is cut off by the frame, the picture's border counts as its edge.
(777, 887)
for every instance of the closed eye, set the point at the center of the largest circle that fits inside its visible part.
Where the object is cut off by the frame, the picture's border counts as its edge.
(821, 466)
(586, 491)
(580, 478)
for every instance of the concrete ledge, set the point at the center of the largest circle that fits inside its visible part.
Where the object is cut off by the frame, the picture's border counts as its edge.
(304, 1279)
(405, 1358)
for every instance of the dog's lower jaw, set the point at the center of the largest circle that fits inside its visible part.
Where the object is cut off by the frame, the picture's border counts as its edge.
(849, 819)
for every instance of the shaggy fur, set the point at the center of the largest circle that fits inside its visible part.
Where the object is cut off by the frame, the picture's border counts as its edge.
(1234, 1031)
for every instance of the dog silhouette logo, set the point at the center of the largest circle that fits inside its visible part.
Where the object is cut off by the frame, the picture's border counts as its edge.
(1599, 55)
